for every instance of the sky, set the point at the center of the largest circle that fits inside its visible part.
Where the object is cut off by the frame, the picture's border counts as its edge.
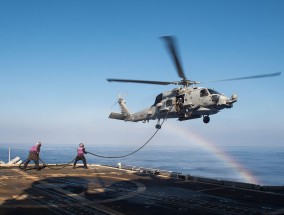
(55, 57)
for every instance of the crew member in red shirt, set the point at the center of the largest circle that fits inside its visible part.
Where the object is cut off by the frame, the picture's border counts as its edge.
(33, 155)
(80, 156)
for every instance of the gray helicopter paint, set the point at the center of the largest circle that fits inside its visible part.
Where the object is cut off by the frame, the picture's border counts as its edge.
(195, 103)
(184, 103)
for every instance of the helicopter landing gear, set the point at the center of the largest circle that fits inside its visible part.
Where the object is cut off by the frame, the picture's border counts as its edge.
(158, 126)
(206, 119)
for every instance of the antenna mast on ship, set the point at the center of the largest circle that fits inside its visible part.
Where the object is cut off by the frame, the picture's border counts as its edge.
(9, 154)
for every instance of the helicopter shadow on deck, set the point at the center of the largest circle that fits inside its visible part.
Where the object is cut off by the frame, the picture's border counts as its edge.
(110, 191)
(94, 192)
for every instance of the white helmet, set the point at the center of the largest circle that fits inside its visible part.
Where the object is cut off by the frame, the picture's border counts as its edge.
(38, 143)
(81, 145)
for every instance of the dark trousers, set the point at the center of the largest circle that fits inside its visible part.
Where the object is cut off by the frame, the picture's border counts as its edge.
(82, 158)
(32, 156)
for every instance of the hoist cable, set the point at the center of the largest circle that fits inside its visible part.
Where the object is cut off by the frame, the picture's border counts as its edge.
(62, 166)
(122, 156)
(48, 166)
(102, 156)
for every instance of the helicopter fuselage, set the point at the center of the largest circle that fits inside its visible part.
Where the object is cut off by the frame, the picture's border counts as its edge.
(181, 103)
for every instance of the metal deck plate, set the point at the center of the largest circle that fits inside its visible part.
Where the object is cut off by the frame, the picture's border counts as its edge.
(106, 190)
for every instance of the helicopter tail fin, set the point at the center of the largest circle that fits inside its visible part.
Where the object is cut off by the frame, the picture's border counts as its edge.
(124, 111)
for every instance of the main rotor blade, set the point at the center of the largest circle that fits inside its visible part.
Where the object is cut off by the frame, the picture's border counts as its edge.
(139, 81)
(172, 48)
(248, 77)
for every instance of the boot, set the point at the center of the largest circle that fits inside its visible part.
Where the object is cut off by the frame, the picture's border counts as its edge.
(25, 167)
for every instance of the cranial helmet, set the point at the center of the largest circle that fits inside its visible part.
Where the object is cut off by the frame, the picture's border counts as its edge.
(81, 145)
(38, 143)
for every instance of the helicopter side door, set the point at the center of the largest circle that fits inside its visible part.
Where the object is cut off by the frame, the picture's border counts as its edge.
(179, 103)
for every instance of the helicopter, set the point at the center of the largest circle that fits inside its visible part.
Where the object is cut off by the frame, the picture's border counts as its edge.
(185, 102)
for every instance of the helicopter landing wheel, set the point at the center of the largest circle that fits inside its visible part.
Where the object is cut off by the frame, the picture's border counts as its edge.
(206, 119)
(158, 126)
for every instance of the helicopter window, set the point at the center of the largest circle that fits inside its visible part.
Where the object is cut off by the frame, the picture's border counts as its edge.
(158, 99)
(213, 91)
(203, 93)
(169, 103)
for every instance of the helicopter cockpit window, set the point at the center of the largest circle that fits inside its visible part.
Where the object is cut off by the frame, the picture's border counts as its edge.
(169, 103)
(203, 93)
(213, 91)
(158, 99)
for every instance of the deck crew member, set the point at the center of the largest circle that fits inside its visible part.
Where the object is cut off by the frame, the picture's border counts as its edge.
(33, 155)
(80, 156)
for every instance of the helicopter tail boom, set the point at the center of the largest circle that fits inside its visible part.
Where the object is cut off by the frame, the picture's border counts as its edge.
(118, 116)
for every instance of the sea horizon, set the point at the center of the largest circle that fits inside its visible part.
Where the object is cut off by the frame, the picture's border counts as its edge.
(258, 165)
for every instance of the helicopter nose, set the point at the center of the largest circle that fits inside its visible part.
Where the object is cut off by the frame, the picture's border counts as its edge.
(222, 100)
(230, 102)
(234, 97)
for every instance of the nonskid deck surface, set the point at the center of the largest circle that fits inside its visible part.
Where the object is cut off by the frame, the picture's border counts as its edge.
(106, 190)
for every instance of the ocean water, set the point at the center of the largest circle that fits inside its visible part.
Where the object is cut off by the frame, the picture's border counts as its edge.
(262, 166)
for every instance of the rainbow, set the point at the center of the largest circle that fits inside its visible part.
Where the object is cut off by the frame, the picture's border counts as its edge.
(197, 139)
